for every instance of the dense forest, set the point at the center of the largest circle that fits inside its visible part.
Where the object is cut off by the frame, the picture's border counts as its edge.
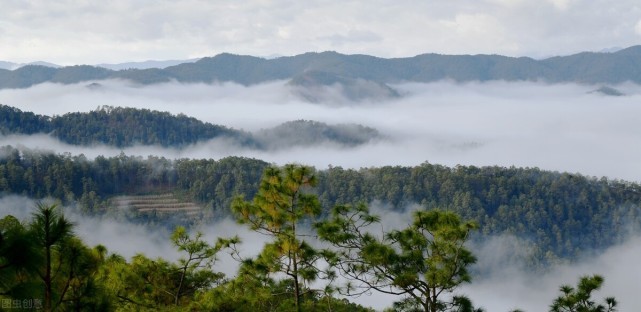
(117, 126)
(125, 127)
(561, 214)
(45, 266)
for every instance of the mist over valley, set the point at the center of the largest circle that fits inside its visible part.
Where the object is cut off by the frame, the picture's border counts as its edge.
(562, 127)
(438, 156)
(550, 171)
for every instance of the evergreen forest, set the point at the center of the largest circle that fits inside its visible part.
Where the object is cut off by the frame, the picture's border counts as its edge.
(45, 265)
(323, 246)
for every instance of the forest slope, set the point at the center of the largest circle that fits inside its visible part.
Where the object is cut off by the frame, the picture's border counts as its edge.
(125, 127)
(560, 214)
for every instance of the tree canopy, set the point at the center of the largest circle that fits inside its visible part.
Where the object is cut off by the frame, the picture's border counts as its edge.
(423, 263)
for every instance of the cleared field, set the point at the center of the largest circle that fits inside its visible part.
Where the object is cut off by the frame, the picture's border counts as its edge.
(160, 203)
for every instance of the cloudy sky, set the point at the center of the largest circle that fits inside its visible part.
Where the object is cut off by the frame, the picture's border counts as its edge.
(70, 32)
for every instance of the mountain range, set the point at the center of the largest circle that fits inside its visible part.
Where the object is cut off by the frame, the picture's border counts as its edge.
(13, 66)
(586, 67)
(113, 66)
(357, 77)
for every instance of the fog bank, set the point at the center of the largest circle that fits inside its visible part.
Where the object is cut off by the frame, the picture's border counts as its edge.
(505, 283)
(510, 286)
(554, 127)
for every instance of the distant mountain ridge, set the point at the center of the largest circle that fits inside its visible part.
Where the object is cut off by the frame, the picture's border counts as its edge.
(13, 66)
(113, 66)
(145, 64)
(586, 67)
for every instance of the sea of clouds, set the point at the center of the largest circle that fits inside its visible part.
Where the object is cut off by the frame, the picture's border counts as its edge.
(564, 127)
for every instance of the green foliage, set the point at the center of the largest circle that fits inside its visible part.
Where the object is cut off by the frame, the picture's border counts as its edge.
(120, 127)
(19, 259)
(55, 266)
(68, 178)
(248, 293)
(196, 268)
(79, 288)
(560, 214)
(280, 202)
(123, 127)
(46, 262)
(140, 284)
(146, 284)
(13, 120)
(51, 232)
(278, 209)
(129, 126)
(580, 299)
(459, 304)
(421, 262)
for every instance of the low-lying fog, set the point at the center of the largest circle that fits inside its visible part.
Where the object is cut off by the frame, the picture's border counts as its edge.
(556, 127)
(507, 284)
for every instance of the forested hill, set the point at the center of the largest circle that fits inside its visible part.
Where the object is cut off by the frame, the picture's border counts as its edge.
(560, 214)
(308, 133)
(124, 127)
(116, 126)
(586, 67)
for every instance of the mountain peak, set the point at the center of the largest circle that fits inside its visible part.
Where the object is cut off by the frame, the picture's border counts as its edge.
(633, 50)
(14, 66)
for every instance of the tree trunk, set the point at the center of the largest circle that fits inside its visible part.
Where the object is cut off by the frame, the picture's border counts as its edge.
(426, 307)
(180, 284)
(47, 278)
(296, 284)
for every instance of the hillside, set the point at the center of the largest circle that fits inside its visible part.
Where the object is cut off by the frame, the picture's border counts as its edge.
(561, 215)
(308, 133)
(125, 127)
(324, 87)
(119, 127)
(160, 204)
(587, 67)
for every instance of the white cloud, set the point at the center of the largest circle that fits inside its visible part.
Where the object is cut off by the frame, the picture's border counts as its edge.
(352, 36)
(474, 24)
(509, 286)
(505, 283)
(558, 127)
(561, 4)
(554, 127)
(127, 239)
(479, 31)
(637, 27)
(68, 32)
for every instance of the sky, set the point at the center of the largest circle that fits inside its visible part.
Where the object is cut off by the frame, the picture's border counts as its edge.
(68, 32)
(555, 127)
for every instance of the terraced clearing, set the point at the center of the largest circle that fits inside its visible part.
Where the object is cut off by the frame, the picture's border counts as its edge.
(160, 203)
